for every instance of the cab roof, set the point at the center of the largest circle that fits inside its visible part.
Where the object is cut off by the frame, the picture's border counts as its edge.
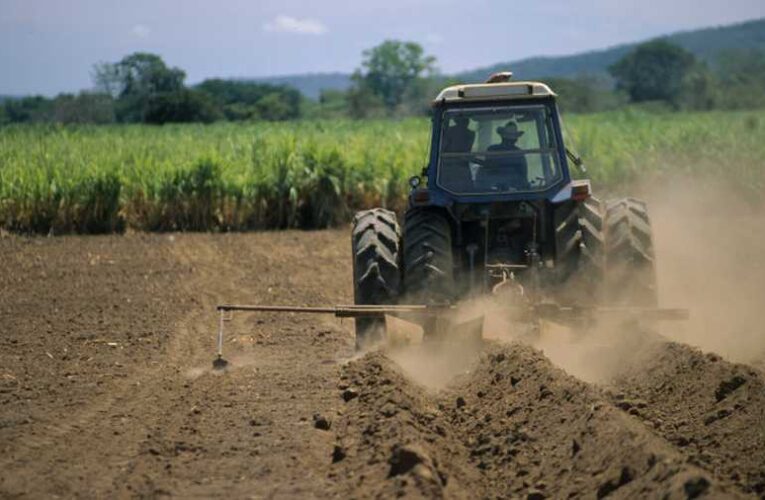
(494, 91)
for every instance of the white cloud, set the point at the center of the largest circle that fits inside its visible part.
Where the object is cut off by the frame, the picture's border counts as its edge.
(141, 31)
(287, 24)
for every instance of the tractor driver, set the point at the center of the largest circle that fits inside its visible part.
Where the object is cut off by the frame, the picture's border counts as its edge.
(502, 172)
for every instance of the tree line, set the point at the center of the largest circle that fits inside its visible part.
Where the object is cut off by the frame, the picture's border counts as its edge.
(141, 88)
(395, 78)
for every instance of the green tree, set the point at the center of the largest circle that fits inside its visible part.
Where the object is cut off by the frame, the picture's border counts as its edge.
(184, 105)
(741, 74)
(699, 89)
(86, 107)
(420, 94)
(241, 100)
(135, 81)
(139, 73)
(585, 94)
(390, 69)
(274, 107)
(32, 109)
(654, 71)
(332, 104)
(363, 103)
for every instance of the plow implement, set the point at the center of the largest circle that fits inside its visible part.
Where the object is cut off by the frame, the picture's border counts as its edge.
(448, 320)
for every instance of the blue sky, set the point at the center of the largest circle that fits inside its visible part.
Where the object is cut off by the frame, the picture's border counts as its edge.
(48, 46)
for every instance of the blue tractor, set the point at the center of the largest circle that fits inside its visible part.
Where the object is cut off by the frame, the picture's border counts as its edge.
(499, 214)
(499, 205)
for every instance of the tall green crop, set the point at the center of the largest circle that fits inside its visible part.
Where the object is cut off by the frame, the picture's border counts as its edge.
(311, 173)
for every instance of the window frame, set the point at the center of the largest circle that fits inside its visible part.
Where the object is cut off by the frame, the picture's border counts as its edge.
(544, 127)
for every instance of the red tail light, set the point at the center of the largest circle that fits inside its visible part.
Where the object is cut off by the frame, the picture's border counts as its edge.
(580, 190)
(421, 196)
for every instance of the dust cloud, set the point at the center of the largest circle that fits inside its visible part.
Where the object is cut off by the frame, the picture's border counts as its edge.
(596, 353)
(710, 250)
(432, 364)
(710, 255)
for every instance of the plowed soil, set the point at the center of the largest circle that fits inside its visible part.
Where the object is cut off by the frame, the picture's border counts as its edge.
(106, 390)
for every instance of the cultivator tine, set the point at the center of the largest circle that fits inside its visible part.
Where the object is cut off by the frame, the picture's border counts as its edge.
(219, 363)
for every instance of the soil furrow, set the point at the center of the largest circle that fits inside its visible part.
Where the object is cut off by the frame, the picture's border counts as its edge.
(712, 410)
(516, 426)
(106, 390)
(394, 440)
(535, 431)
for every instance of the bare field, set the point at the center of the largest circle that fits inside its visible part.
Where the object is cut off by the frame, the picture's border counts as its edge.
(105, 387)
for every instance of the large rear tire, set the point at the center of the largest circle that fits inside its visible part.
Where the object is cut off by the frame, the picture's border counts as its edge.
(592, 265)
(568, 241)
(428, 259)
(630, 278)
(428, 263)
(376, 246)
(579, 251)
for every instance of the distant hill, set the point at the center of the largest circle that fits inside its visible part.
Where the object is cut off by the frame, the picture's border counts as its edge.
(705, 43)
(311, 84)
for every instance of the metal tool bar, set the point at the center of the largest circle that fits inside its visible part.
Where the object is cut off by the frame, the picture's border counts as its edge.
(414, 312)
(543, 310)
(345, 311)
(445, 312)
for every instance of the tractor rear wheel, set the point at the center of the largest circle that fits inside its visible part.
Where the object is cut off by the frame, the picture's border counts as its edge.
(568, 240)
(630, 278)
(579, 248)
(592, 253)
(376, 247)
(428, 260)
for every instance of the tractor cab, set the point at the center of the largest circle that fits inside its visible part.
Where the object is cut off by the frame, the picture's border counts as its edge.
(498, 141)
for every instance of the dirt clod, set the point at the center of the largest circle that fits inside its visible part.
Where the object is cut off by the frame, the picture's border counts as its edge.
(338, 454)
(405, 458)
(696, 487)
(321, 422)
(535, 495)
(726, 387)
(349, 394)
(625, 476)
